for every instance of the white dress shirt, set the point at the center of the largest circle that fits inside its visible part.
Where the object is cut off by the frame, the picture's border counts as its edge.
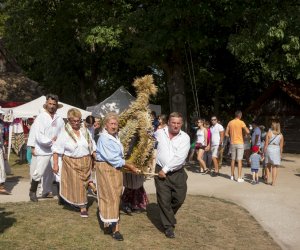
(171, 153)
(45, 128)
(65, 145)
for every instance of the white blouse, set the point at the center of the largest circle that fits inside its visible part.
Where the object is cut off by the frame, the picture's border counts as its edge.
(67, 146)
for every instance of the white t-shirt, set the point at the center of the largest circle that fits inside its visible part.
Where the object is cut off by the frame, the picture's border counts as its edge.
(215, 134)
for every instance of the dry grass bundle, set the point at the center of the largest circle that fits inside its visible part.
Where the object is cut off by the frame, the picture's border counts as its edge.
(136, 130)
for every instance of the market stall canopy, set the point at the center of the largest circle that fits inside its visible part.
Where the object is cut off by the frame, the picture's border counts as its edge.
(33, 108)
(117, 102)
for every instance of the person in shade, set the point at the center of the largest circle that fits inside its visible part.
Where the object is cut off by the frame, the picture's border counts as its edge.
(77, 147)
(109, 177)
(172, 150)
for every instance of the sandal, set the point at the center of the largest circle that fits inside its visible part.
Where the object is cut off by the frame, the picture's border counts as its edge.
(4, 191)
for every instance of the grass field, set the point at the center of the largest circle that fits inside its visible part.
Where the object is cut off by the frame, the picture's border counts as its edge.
(203, 223)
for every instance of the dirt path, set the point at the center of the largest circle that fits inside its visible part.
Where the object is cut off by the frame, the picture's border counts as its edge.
(275, 208)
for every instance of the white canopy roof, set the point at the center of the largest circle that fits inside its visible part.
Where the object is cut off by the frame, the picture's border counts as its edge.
(34, 107)
(117, 102)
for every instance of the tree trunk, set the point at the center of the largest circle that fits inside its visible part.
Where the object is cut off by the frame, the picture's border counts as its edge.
(176, 89)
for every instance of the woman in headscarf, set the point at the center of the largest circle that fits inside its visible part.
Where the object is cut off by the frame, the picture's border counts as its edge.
(77, 147)
(110, 161)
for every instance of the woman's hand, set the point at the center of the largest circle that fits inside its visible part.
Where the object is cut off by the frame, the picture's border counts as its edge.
(132, 168)
(55, 168)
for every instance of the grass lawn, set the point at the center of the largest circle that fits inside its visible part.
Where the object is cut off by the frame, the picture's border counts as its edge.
(203, 223)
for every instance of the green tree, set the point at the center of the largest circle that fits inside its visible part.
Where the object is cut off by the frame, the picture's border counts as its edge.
(268, 36)
(64, 45)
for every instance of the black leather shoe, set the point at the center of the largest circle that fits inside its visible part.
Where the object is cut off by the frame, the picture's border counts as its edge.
(170, 233)
(127, 210)
(117, 236)
(32, 196)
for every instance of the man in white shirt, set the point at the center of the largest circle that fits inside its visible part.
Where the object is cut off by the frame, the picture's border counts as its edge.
(216, 142)
(46, 128)
(172, 150)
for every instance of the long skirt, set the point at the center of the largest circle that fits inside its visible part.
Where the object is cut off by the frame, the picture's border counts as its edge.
(75, 173)
(134, 194)
(136, 199)
(109, 189)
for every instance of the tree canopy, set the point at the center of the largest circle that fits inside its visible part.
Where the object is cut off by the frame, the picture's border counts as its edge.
(218, 55)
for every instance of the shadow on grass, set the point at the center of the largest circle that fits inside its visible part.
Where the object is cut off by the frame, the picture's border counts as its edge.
(153, 216)
(5, 221)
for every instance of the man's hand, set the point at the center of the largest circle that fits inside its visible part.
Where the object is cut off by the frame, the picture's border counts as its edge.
(161, 174)
(33, 151)
(54, 138)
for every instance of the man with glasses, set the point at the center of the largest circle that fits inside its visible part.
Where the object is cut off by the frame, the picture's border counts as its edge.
(217, 136)
(47, 126)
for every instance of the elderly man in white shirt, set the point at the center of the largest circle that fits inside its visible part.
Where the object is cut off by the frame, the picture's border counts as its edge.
(46, 128)
(172, 150)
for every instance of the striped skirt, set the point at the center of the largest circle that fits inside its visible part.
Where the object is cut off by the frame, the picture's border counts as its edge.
(75, 173)
(109, 190)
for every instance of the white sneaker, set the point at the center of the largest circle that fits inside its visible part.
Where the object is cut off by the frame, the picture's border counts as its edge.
(232, 178)
(240, 180)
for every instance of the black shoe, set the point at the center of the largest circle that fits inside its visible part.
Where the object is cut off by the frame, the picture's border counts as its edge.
(117, 236)
(61, 201)
(32, 196)
(214, 174)
(170, 233)
(127, 210)
(205, 171)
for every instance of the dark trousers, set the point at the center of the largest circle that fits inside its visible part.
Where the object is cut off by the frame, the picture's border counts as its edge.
(171, 193)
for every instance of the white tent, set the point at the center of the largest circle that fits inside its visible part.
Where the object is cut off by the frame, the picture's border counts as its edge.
(33, 108)
(117, 102)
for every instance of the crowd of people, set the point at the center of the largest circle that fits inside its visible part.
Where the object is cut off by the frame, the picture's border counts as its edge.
(240, 141)
(86, 155)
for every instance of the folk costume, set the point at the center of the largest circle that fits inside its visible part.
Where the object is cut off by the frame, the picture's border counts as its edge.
(109, 178)
(77, 163)
(40, 137)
